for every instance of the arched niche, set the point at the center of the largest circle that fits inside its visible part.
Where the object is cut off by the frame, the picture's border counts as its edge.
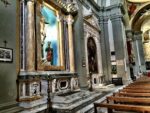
(92, 55)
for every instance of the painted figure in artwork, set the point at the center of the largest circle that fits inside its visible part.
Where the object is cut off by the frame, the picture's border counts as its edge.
(43, 34)
(92, 57)
(49, 37)
(49, 51)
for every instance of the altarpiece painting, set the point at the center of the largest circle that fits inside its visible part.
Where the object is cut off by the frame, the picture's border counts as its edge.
(51, 49)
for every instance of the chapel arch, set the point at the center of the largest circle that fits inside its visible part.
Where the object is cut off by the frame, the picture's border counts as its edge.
(139, 16)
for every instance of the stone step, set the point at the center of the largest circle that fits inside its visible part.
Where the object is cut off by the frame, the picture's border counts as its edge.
(7, 105)
(75, 102)
(10, 107)
(12, 110)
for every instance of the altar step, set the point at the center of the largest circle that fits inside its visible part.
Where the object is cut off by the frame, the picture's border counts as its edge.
(107, 91)
(75, 102)
(11, 107)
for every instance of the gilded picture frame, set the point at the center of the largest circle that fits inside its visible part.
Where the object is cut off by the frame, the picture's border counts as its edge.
(55, 62)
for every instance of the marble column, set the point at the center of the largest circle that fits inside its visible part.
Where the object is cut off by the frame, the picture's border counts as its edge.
(136, 66)
(105, 49)
(140, 52)
(119, 46)
(30, 37)
(62, 61)
(71, 45)
(129, 34)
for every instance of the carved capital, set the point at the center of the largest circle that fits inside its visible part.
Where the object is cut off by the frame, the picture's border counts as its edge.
(30, 1)
(129, 34)
(59, 18)
(138, 35)
(70, 19)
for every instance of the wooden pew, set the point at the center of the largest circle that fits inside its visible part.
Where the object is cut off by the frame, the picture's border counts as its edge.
(110, 107)
(136, 90)
(132, 94)
(139, 86)
(135, 93)
(132, 100)
(140, 83)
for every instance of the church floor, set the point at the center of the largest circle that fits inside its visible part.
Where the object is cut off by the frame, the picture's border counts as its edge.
(82, 102)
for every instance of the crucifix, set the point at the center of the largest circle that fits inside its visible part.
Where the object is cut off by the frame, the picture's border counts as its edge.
(5, 43)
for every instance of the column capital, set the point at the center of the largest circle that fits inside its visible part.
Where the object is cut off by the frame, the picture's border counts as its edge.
(134, 38)
(30, 1)
(137, 32)
(70, 19)
(22, 0)
(129, 34)
(103, 19)
(59, 18)
(117, 17)
(138, 35)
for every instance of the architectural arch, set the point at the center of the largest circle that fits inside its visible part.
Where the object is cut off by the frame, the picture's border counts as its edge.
(139, 16)
(92, 32)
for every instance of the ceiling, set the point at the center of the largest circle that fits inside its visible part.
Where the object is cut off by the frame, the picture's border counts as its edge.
(138, 1)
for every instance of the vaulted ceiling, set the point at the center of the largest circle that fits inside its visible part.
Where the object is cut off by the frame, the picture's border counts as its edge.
(142, 14)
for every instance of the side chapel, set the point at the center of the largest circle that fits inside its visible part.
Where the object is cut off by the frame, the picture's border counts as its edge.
(64, 52)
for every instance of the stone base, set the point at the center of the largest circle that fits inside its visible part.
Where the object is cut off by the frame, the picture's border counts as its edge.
(77, 102)
(65, 104)
(11, 107)
(73, 103)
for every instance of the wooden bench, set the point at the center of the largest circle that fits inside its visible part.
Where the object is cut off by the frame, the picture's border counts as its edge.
(135, 88)
(136, 91)
(139, 86)
(132, 100)
(129, 98)
(110, 107)
(132, 94)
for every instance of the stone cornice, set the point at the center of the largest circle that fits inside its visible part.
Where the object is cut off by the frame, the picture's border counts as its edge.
(114, 12)
(103, 18)
(85, 4)
(137, 32)
(112, 7)
(94, 4)
(67, 8)
(138, 35)
(116, 17)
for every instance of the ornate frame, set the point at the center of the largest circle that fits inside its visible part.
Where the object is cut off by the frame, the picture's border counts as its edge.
(59, 14)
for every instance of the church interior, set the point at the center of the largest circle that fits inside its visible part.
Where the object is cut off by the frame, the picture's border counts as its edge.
(99, 61)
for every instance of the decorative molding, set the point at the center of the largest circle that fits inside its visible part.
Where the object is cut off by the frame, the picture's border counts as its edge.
(94, 4)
